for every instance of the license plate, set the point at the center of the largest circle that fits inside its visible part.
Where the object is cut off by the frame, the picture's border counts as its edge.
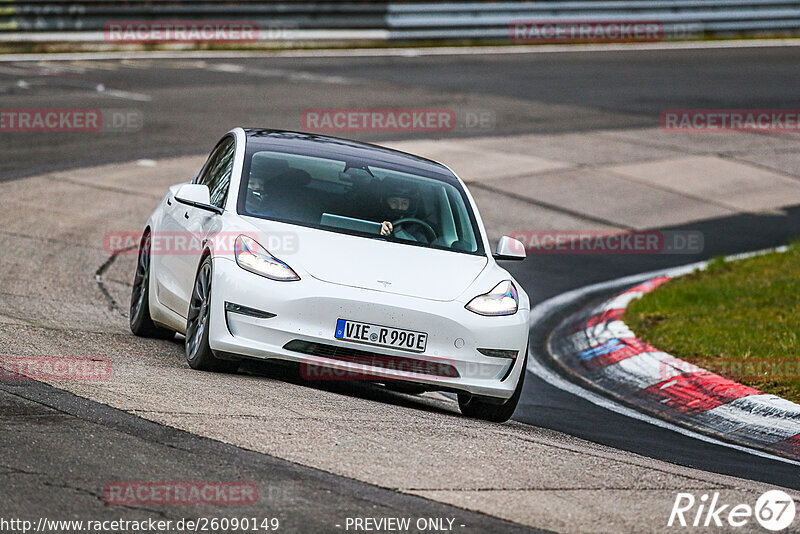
(381, 336)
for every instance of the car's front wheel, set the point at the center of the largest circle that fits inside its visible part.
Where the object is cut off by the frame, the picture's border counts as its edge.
(478, 408)
(198, 351)
(140, 321)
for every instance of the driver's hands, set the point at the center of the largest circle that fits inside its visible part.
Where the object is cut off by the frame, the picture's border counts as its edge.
(386, 228)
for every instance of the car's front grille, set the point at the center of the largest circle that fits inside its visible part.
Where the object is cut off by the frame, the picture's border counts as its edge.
(428, 366)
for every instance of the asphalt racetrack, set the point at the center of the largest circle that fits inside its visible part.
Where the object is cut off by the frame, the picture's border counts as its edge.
(588, 124)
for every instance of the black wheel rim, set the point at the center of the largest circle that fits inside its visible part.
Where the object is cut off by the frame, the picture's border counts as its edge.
(141, 280)
(199, 312)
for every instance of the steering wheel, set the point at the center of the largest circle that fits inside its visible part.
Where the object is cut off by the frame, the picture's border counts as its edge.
(254, 197)
(431, 233)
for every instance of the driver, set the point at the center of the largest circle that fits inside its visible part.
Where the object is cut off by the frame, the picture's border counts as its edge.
(400, 201)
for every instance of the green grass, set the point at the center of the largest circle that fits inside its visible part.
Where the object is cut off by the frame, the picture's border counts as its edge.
(740, 319)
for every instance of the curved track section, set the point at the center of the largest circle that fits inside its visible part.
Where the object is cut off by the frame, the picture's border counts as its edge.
(596, 347)
(418, 446)
(566, 461)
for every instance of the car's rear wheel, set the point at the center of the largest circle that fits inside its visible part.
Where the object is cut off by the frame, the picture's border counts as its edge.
(198, 352)
(141, 322)
(479, 408)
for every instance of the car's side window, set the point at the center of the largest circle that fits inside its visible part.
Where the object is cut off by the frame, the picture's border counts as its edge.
(217, 172)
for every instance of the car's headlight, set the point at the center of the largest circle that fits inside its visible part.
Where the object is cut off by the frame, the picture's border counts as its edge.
(502, 300)
(254, 258)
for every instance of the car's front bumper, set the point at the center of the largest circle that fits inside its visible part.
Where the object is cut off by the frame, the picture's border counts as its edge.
(307, 311)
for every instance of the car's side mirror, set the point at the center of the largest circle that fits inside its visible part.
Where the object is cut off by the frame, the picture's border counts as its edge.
(509, 248)
(198, 196)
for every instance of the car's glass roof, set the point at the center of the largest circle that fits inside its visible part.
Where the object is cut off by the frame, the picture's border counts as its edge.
(344, 149)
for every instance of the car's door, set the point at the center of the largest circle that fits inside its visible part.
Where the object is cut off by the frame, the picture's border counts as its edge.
(198, 223)
(186, 227)
(164, 256)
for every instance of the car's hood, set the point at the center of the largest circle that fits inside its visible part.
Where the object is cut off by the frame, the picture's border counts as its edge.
(375, 264)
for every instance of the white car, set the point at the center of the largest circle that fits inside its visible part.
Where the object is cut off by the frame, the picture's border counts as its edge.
(353, 260)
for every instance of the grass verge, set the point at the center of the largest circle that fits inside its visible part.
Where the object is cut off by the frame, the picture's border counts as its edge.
(739, 319)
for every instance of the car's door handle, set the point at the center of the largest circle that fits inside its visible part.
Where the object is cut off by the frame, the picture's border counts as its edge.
(186, 215)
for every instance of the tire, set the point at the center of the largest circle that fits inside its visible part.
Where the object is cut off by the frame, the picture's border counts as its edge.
(141, 322)
(478, 408)
(198, 352)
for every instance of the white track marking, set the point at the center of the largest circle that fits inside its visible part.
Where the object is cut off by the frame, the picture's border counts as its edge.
(622, 301)
(605, 332)
(755, 414)
(547, 307)
(641, 371)
(46, 65)
(45, 73)
(227, 67)
(15, 71)
(277, 73)
(127, 95)
(403, 52)
(563, 384)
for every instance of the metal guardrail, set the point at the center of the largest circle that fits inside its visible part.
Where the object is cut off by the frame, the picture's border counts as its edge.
(492, 20)
(43, 20)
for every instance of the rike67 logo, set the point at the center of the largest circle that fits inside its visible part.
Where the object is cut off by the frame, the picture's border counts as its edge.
(774, 510)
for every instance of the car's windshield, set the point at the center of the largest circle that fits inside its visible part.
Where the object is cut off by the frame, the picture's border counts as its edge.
(360, 199)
